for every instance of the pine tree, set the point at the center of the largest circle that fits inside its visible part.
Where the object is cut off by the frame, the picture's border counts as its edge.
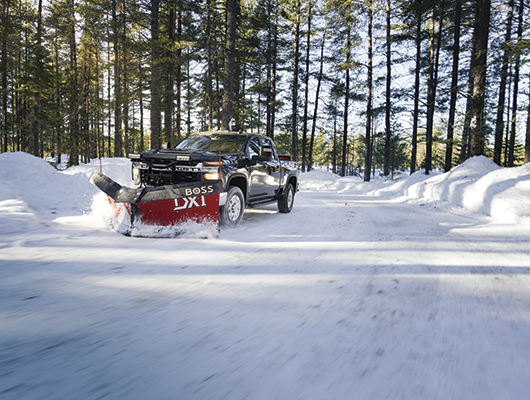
(454, 86)
(511, 151)
(499, 125)
(5, 31)
(232, 8)
(317, 96)
(478, 72)
(388, 133)
(369, 121)
(306, 86)
(155, 75)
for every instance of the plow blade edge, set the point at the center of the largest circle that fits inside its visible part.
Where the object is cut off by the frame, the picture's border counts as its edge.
(164, 205)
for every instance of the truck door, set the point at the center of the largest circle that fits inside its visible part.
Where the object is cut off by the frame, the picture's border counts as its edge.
(272, 166)
(257, 171)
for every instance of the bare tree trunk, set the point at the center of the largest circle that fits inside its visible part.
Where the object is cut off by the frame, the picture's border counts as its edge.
(508, 110)
(168, 115)
(37, 103)
(268, 79)
(317, 94)
(209, 66)
(415, 115)
(230, 61)
(124, 67)
(56, 100)
(85, 114)
(141, 101)
(100, 145)
(499, 125)
(335, 141)
(430, 99)
(155, 59)
(73, 119)
(5, 31)
(294, 144)
(511, 157)
(110, 104)
(478, 54)
(368, 146)
(527, 138)
(434, 58)
(179, 74)
(269, 61)
(454, 87)
(466, 128)
(126, 101)
(388, 134)
(306, 88)
(118, 142)
(188, 92)
(346, 103)
(274, 71)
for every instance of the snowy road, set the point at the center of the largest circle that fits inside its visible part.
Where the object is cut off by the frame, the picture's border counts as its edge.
(347, 297)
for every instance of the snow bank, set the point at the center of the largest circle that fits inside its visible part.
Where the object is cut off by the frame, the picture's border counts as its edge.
(41, 188)
(319, 179)
(477, 186)
(118, 169)
(480, 186)
(398, 187)
(33, 193)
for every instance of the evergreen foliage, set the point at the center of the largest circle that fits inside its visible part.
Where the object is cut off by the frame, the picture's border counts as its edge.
(447, 79)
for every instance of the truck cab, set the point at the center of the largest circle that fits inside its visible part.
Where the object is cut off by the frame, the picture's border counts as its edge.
(247, 165)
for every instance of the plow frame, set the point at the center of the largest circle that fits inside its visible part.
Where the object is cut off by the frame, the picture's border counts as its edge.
(163, 206)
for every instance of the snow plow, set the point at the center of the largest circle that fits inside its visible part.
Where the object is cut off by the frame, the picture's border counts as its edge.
(207, 178)
(161, 207)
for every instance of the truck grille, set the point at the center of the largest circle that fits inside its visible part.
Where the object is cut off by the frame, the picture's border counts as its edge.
(158, 178)
(164, 163)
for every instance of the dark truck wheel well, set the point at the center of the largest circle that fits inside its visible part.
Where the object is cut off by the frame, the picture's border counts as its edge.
(292, 181)
(241, 183)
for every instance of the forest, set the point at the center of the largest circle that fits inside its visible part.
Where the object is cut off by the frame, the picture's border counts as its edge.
(358, 86)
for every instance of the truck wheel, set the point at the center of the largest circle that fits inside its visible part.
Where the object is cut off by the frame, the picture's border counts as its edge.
(232, 212)
(285, 203)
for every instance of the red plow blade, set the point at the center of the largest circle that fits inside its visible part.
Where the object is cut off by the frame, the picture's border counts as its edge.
(160, 208)
(200, 209)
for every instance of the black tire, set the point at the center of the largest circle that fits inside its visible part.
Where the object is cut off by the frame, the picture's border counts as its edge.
(285, 203)
(231, 213)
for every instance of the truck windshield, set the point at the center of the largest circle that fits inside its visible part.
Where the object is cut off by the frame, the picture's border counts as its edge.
(212, 143)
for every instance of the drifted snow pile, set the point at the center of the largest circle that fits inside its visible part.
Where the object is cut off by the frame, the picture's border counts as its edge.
(321, 179)
(33, 194)
(480, 186)
(476, 186)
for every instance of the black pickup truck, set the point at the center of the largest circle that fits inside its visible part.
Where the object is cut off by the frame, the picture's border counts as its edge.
(247, 166)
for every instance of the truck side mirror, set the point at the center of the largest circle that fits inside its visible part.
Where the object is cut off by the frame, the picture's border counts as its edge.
(265, 153)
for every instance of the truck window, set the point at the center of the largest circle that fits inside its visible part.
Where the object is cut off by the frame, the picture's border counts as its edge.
(268, 143)
(228, 144)
(253, 147)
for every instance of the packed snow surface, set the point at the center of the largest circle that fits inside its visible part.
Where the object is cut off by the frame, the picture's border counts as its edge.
(416, 288)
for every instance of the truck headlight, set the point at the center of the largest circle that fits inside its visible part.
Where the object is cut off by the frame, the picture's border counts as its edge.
(211, 176)
(136, 175)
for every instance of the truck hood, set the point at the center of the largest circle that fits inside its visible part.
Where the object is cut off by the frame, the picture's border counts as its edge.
(188, 157)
